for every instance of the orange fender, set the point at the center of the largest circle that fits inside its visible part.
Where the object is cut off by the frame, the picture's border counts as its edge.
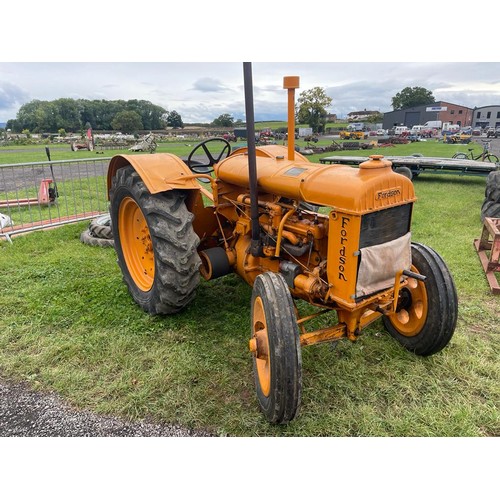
(160, 172)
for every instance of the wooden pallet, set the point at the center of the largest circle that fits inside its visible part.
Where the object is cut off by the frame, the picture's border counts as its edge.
(491, 263)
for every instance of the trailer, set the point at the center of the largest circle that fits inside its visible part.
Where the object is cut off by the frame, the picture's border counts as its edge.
(421, 164)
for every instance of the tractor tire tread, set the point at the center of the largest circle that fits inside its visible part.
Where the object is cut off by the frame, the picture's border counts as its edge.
(442, 305)
(90, 239)
(174, 242)
(283, 403)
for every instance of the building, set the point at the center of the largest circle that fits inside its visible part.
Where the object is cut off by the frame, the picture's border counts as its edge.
(486, 116)
(419, 115)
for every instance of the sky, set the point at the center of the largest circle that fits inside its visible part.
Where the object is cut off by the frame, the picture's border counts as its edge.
(202, 91)
(189, 59)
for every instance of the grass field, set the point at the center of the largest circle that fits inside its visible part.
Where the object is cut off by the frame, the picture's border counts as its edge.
(36, 153)
(69, 325)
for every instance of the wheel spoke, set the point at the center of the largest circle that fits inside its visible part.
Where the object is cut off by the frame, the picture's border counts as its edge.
(403, 316)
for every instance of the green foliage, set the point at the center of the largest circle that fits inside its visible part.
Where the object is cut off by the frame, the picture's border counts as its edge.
(311, 108)
(375, 118)
(71, 114)
(174, 120)
(225, 120)
(412, 96)
(127, 122)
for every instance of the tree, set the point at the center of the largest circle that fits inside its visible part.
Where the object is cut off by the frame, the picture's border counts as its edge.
(375, 118)
(410, 97)
(71, 114)
(174, 120)
(151, 114)
(311, 108)
(127, 121)
(225, 120)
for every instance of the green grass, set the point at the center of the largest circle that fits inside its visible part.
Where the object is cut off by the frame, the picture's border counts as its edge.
(35, 153)
(68, 324)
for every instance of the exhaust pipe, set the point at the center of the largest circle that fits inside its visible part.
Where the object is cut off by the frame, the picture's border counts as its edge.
(291, 83)
(255, 245)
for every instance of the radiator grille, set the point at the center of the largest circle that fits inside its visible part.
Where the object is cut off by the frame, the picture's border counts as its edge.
(385, 225)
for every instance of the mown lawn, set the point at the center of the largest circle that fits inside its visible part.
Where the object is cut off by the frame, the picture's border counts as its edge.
(69, 325)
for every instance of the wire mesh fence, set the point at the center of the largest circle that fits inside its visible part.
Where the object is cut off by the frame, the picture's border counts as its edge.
(45, 194)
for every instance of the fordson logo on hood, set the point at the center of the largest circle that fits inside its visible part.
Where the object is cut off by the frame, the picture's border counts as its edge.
(387, 193)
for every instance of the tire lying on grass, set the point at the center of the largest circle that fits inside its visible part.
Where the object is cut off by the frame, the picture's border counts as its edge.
(100, 227)
(99, 232)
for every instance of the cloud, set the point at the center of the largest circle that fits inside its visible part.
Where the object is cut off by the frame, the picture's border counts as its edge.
(208, 85)
(11, 96)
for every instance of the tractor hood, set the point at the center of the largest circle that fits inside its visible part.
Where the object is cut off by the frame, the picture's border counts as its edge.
(372, 186)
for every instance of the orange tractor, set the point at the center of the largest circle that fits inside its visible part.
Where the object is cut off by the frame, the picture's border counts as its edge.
(335, 236)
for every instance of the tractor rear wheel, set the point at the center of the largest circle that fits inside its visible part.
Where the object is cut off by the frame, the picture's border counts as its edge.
(426, 314)
(275, 345)
(155, 244)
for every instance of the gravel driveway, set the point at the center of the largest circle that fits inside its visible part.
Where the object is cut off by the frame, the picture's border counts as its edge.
(24, 412)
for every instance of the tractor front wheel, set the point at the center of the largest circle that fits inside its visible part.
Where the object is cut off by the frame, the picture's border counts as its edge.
(275, 345)
(155, 244)
(426, 314)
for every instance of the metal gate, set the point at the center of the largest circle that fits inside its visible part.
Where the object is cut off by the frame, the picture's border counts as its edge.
(46, 194)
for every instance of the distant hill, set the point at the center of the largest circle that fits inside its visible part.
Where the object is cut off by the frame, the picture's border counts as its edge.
(2, 125)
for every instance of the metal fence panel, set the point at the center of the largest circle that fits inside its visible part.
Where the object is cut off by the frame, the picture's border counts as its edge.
(45, 194)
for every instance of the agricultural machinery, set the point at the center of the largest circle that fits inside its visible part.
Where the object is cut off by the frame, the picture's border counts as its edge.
(147, 143)
(334, 236)
(88, 144)
(47, 193)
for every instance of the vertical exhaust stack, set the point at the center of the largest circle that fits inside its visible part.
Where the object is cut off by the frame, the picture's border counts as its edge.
(291, 83)
(255, 247)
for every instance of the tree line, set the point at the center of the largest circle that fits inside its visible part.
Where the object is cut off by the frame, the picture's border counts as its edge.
(75, 115)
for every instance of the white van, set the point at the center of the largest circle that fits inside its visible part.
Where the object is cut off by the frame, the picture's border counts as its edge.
(400, 130)
(451, 128)
(433, 124)
(417, 129)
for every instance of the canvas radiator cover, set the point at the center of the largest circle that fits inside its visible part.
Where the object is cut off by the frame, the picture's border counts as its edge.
(380, 263)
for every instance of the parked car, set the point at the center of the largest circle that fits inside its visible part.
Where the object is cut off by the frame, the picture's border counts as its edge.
(497, 133)
(381, 131)
(490, 132)
(477, 131)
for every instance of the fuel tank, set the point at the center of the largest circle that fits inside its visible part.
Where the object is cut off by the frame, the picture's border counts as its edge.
(372, 186)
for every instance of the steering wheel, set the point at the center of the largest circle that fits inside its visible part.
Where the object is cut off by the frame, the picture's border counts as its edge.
(206, 165)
